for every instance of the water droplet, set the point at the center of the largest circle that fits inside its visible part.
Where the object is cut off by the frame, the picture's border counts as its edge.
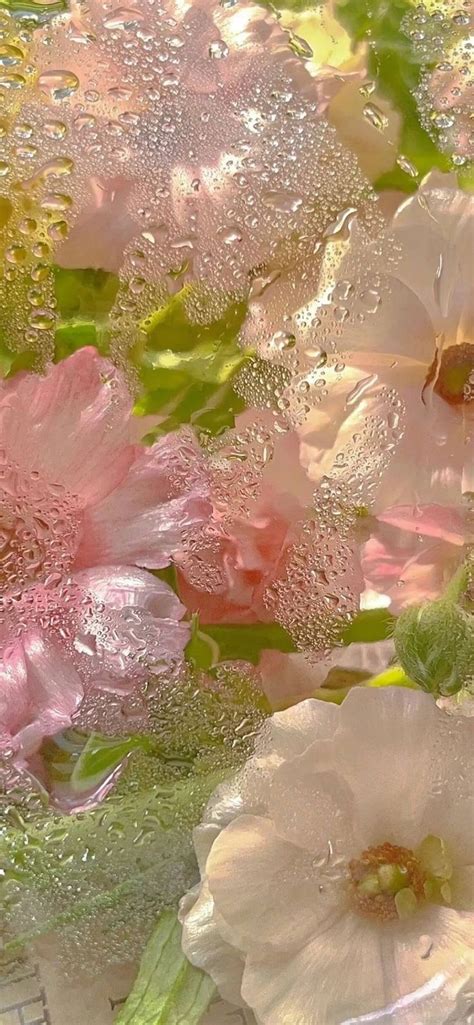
(375, 116)
(54, 129)
(123, 18)
(58, 85)
(283, 202)
(407, 166)
(218, 49)
(10, 55)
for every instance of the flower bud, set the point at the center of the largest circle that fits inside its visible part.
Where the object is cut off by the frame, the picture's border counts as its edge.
(434, 643)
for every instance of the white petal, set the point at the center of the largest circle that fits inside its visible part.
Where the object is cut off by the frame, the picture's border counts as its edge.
(335, 977)
(312, 808)
(388, 750)
(265, 890)
(293, 730)
(205, 948)
(431, 958)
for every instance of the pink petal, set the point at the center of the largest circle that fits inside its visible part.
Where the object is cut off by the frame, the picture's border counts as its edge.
(242, 562)
(439, 521)
(407, 568)
(78, 423)
(135, 627)
(40, 691)
(147, 517)
(104, 230)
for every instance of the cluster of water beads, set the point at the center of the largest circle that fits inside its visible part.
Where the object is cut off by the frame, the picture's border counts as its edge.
(441, 35)
(248, 170)
(103, 877)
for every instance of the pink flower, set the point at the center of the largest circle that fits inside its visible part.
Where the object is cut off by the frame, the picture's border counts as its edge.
(396, 423)
(83, 510)
(413, 553)
(235, 116)
(240, 565)
(226, 578)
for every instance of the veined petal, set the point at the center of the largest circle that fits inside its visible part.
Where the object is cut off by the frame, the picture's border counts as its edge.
(78, 416)
(148, 516)
(265, 889)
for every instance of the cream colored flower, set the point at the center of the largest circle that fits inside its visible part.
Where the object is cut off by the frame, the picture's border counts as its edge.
(336, 872)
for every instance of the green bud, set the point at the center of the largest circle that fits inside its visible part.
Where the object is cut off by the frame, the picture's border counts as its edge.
(434, 643)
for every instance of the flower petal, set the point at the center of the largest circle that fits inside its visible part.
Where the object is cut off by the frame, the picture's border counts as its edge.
(205, 947)
(332, 980)
(402, 756)
(431, 958)
(133, 625)
(77, 416)
(313, 809)
(146, 518)
(39, 693)
(295, 729)
(265, 890)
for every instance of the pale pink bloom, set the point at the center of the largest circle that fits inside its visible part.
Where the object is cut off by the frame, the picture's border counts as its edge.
(243, 561)
(291, 918)
(83, 510)
(397, 422)
(227, 578)
(236, 118)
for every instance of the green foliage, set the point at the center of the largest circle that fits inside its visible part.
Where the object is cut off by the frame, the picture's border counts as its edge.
(168, 990)
(396, 69)
(31, 7)
(227, 642)
(100, 757)
(86, 296)
(369, 626)
(186, 368)
(118, 863)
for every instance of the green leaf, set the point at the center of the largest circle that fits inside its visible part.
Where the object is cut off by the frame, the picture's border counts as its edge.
(246, 642)
(396, 68)
(168, 990)
(370, 626)
(70, 337)
(43, 858)
(201, 651)
(85, 295)
(186, 367)
(100, 757)
(172, 325)
(29, 7)
(394, 676)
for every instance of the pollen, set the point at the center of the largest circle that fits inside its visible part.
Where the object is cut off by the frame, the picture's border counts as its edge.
(388, 882)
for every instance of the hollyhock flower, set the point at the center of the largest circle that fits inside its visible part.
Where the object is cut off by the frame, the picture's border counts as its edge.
(225, 579)
(407, 382)
(238, 124)
(85, 512)
(337, 869)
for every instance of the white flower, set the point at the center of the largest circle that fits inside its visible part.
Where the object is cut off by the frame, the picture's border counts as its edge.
(337, 870)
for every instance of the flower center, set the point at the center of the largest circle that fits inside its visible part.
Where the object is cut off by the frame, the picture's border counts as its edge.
(453, 374)
(390, 882)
